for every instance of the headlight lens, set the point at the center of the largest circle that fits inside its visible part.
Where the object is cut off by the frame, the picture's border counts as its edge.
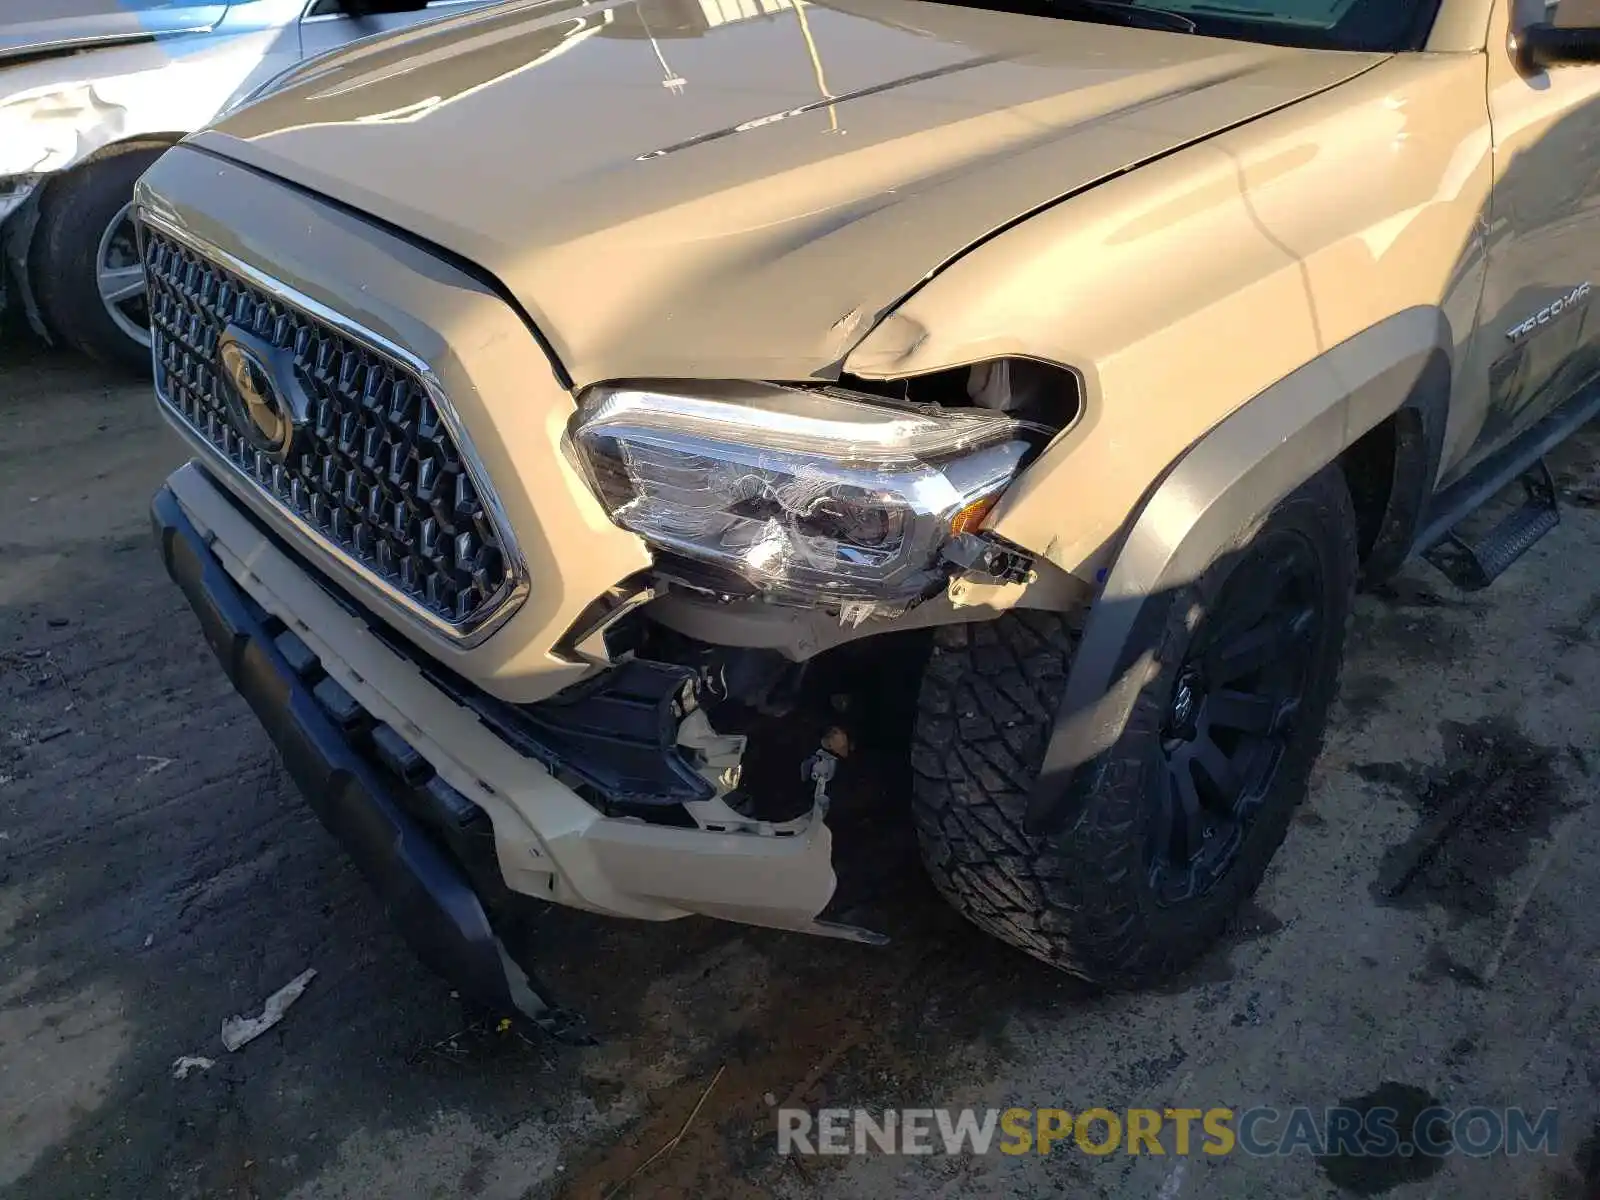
(803, 493)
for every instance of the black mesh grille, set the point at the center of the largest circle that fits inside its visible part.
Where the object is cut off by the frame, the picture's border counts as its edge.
(375, 471)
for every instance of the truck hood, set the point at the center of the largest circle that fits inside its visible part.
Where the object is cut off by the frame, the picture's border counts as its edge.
(55, 26)
(740, 188)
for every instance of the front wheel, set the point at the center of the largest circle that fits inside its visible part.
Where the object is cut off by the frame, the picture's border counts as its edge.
(1185, 811)
(85, 266)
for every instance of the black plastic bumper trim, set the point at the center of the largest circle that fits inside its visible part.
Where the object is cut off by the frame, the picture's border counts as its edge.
(426, 894)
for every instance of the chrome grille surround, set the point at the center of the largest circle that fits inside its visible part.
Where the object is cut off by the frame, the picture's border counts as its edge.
(387, 485)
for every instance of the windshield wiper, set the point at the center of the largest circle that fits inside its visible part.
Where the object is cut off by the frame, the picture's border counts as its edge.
(1128, 13)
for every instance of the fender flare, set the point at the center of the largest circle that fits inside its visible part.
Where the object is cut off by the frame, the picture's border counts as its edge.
(1233, 475)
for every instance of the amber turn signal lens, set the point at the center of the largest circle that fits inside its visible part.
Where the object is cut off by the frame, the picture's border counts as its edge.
(972, 516)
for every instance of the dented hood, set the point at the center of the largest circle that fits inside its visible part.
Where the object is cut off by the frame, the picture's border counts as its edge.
(741, 188)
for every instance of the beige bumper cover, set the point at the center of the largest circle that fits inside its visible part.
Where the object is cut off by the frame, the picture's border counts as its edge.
(551, 844)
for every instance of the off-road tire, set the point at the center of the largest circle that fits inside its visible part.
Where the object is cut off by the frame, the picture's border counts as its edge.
(1082, 900)
(73, 212)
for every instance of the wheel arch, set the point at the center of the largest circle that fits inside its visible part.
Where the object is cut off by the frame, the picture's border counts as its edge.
(1397, 371)
(16, 238)
(1391, 471)
(134, 141)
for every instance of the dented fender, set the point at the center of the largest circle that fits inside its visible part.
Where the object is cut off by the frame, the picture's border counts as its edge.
(1212, 391)
(1180, 291)
(59, 112)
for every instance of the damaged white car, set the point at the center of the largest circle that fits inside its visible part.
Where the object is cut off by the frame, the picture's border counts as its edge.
(91, 93)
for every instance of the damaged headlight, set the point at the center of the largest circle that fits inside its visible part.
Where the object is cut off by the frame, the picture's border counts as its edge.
(813, 494)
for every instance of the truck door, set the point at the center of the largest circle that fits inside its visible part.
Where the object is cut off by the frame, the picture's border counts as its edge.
(1541, 300)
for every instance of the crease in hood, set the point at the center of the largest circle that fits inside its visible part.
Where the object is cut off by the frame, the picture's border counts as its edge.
(704, 189)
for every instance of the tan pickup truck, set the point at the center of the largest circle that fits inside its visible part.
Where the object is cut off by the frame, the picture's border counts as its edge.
(584, 397)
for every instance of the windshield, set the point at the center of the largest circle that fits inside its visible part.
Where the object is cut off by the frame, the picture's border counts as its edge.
(1334, 24)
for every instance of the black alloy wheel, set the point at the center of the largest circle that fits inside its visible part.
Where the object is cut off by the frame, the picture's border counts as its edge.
(1231, 714)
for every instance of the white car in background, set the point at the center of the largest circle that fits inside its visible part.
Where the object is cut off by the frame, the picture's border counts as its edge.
(91, 93)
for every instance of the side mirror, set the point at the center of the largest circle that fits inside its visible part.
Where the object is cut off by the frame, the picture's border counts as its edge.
(1541, 46)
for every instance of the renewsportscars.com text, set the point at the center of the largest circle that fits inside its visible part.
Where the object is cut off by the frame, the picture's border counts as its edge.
(1260, 1132)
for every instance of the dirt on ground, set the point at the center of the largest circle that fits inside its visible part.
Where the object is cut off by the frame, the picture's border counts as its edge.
(1426, 936)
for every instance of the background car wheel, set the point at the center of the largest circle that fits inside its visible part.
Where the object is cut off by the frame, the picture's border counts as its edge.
(1188, 808)
(85, 265)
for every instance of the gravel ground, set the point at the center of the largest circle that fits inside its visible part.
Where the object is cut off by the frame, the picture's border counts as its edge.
(158, 873)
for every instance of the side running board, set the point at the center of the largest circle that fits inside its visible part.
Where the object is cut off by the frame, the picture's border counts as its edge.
(1475, 564)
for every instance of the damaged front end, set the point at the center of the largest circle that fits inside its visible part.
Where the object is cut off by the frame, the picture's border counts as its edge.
(618, 795)
(767, 508)
(685, 773)
(694, 738)
(806, 495)
(19, 214)
(863, 504)
(798, 534)
(652, 731)
(785, 521)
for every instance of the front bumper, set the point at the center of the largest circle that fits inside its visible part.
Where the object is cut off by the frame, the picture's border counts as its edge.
(543, 840)
(19, 216)
(425, 893)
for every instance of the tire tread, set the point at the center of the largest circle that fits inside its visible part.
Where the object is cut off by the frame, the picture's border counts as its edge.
(1075, 900)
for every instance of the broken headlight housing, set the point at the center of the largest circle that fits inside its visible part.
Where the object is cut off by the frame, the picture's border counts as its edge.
(803, 493)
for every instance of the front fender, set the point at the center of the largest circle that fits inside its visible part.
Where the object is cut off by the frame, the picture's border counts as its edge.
(1234, 475)
(1252, 265)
